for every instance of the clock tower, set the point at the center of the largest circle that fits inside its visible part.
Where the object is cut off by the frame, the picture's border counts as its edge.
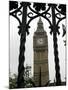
(40, 47)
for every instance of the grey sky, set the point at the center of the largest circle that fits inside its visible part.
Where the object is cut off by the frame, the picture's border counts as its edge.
(14, 47)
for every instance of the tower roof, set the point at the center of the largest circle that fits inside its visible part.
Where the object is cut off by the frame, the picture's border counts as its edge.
(40, 21)
(40, 26)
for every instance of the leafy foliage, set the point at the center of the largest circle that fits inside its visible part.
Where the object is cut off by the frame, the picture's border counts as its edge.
(12, 81)
(28, 81)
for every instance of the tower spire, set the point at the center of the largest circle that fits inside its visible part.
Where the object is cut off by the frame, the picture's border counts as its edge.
(40, 21)
(40, 25)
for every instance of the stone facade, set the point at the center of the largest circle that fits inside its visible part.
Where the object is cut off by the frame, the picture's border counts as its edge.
(40, 46)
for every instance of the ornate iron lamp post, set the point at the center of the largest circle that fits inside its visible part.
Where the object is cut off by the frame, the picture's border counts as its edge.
(24, 26)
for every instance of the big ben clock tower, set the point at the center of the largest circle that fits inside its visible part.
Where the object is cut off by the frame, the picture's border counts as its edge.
(40, 47)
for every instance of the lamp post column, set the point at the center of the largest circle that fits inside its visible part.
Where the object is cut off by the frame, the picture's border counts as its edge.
(56, 58)
(20, 80)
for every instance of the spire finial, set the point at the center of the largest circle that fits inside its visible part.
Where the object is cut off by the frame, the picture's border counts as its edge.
(40, 20)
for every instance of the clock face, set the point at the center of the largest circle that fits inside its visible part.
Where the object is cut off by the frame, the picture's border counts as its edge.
(40, 41)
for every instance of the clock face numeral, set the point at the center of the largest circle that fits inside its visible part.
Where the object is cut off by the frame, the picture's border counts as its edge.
(40, 41)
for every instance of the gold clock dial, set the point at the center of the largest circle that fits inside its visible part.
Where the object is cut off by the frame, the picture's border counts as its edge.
(40, 41)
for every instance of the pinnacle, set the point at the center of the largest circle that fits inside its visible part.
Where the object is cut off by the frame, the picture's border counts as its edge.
(40, 27)
(40, 20)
